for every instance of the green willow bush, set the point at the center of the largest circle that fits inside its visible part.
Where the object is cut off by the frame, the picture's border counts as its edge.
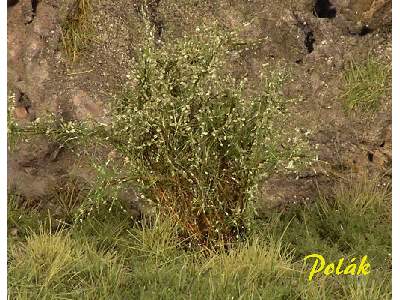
(194, 144)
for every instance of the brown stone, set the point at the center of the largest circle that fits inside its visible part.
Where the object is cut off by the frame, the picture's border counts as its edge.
(85, 107)
(45, 20)
(21, 113)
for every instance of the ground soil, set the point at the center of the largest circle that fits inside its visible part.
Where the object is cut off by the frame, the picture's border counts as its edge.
(289, 33)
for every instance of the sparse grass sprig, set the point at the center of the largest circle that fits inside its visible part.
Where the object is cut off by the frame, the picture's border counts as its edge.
(64, 133)
(13, 128)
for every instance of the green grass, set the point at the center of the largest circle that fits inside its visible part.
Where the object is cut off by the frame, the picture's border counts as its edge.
(50, 265)
(366, 84)
(355, 223)
(109, 257)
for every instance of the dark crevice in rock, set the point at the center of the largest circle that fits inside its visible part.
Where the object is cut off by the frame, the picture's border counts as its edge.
(22, 99)
(29, 10)
(11, 2)
(324, 9)
(34, 4)
(309, 41)
(365, 29)
(370, 157)
(309, 38)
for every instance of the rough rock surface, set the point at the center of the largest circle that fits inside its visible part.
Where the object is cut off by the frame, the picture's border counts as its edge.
(315, 41)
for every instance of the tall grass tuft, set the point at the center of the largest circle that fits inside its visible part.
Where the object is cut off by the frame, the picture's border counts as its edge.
(366, 84)
(52, 265)
(77, 29)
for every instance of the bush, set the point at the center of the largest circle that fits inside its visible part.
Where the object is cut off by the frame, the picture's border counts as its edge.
(192, 140)
(194, 143)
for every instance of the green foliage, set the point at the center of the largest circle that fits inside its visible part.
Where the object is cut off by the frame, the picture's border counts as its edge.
(365, 84)
(356, 222)
(108, 258)
(356, 218)
(194, 143)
